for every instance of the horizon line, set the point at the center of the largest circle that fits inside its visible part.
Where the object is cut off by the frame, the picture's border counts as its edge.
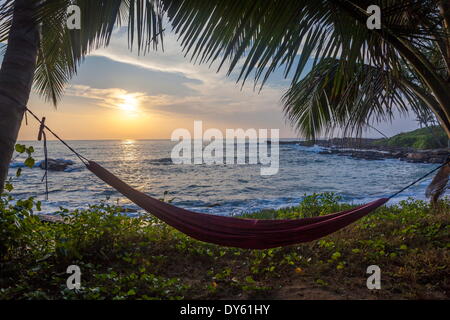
(139, 139)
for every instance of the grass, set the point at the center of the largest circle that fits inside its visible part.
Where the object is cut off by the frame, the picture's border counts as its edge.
(140, 258)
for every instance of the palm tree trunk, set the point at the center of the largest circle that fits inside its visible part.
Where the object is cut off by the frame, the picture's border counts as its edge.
(16, 79)
(445, 12)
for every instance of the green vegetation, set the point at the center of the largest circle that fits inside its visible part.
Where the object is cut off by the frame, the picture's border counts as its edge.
(424, 138)
(140, 258)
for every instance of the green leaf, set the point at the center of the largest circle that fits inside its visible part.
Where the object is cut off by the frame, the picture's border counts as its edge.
(30, 150)
(29, 162)
(336, 255)
(20, 148)
(8, 186)
(131, 292)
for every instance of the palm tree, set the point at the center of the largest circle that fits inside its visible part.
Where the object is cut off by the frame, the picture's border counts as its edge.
(43, 52)
(359, 75)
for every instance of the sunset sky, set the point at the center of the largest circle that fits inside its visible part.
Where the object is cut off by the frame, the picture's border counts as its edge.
(120, 95)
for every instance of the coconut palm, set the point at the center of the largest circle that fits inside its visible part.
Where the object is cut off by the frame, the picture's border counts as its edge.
(359, 76)
(43, 53)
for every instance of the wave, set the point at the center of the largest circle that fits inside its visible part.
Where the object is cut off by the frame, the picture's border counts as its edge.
(315, 148)
(160, 161)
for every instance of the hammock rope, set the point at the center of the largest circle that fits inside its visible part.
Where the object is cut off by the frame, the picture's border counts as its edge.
(44, 126)
(232, 231)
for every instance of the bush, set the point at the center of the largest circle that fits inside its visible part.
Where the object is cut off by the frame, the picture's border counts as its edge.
(141, 258)
(425, 138)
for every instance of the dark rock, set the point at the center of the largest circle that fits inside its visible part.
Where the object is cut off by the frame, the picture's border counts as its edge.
(128, 210)
(436, 160)
(56, 164)
(212, 205)
(374, 149)
(417, 156)
(398, 154)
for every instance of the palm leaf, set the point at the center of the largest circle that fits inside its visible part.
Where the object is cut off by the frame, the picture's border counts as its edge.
(330, 99)
(62, 50)
(259, 36)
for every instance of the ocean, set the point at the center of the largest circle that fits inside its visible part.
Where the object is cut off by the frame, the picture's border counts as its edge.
(216, 189)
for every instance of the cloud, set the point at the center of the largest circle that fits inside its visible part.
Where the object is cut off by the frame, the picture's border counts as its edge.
(170, 60)
(215, 93)
(227, 103)
(108, 98)
(211, 95)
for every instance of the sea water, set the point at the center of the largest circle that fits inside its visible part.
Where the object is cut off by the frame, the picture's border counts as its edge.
(218, 189)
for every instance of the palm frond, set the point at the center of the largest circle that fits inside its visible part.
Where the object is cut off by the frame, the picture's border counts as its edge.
(260, 36)
(257, 36)
(57, 62)
(62, 50)
(329, 98)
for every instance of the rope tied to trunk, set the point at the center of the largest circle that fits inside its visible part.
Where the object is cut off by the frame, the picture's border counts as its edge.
(44, 126)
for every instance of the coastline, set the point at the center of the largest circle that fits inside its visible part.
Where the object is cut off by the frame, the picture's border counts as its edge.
(371, 149)
(305, 170)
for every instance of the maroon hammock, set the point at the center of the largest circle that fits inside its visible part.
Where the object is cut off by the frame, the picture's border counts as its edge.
(237, 232)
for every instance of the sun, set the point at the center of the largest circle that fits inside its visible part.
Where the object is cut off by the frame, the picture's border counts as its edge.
(129, 103)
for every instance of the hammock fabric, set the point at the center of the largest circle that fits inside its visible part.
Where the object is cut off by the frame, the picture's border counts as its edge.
(237, 232)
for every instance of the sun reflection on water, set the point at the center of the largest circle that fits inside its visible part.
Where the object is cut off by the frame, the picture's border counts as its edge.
(129, 150)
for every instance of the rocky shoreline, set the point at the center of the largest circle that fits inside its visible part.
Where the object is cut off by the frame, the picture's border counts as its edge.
(421, 156)
(366, 149)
